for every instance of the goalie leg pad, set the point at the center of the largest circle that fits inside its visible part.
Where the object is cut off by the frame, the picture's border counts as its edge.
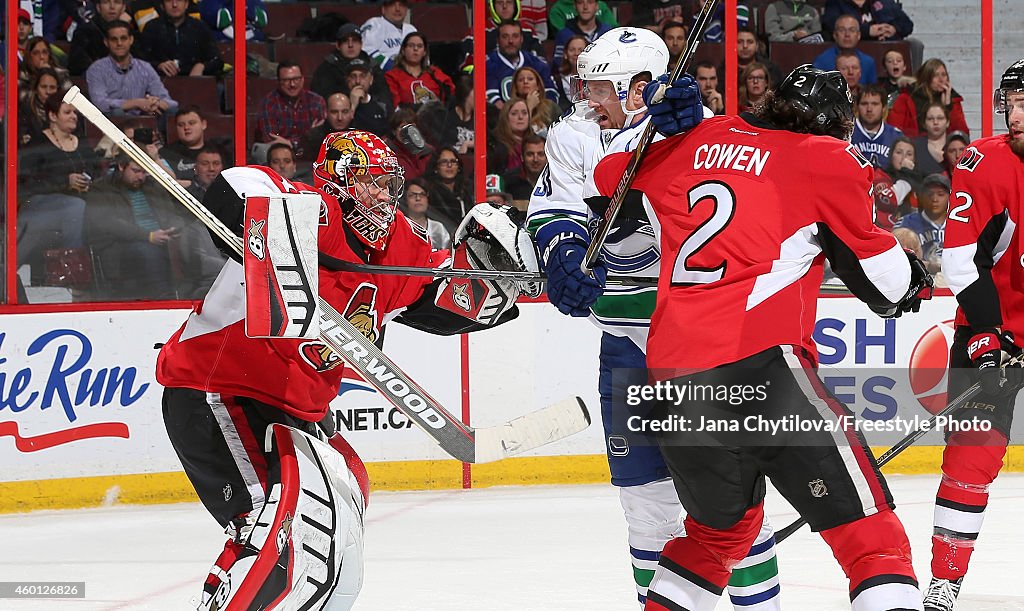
(304, 547)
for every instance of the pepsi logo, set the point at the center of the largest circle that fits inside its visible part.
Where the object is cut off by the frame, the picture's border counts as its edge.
(929, 364)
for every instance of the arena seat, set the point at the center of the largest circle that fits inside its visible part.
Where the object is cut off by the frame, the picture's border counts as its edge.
(198, 90)
(789, 55)
(308, 55)
(877, 50)
(285, 18)
(440, 22)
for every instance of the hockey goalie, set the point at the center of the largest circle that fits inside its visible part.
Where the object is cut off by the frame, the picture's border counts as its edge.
(241, 411)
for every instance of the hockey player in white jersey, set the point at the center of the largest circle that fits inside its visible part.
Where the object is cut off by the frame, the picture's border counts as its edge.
(610, 116)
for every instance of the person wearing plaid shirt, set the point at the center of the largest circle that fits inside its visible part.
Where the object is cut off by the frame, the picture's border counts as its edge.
(289, 111)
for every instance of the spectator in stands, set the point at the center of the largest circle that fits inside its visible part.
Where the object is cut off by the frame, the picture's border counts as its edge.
(289, 111)
(406, 140)
(872, 136)
(416, 205)
(25, 31)
(509, 10)
(792, 21)
(533, 14)
(370, 110)
(526, 85)
(674, 35)
(506, 59)
(452, 126)
(902, 169)
(567, 70)
(383, 36)
(932, 85)
(413, 80)
(87, 42)
(562, 11)
(756, 82)
(32, 118)
(521, 184)
(956, 144)
(908, 240)
(339, 119)
(715, 31)
(220, 16)
(747, 53)
(178, 45)
(329, 77)
(846, 35)
(54, 174)
(451, 191)
(513, 126)
(281, 159)
(132, 228)
(706, 74)
(149, 141)
(120, 84)
(880, 20)
(190, 127)
(584, 24)
(928, 147)
(209, 165)
(929, 222)
(894, 78)
(38, 57)
(656, 14)
(848, 64)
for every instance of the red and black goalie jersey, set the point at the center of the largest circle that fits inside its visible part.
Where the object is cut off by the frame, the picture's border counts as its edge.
(746, 215)
(211, 352)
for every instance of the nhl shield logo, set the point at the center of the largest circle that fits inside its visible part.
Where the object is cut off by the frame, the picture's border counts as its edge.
(228, 492)
(818, 488)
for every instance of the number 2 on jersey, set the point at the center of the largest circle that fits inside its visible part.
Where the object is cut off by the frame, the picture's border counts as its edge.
(724, 201)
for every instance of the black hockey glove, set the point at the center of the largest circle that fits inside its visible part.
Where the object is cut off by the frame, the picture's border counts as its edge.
(921, 287)
(989, 350)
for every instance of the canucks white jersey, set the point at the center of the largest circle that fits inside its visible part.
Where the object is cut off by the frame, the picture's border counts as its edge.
(574, 147)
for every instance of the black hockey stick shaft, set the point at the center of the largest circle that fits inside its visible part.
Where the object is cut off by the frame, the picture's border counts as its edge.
(479, 274)
(605, 225)
(897, 449)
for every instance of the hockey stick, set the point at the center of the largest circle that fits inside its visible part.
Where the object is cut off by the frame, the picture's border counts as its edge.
(480, 274)
(909, 440)
(605, 226)
(461, 441)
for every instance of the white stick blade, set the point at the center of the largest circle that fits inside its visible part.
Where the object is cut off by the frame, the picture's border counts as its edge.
(544, 426)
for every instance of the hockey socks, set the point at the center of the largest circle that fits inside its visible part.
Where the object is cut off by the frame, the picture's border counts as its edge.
(875, 555)
(970, 463)
(754, 585)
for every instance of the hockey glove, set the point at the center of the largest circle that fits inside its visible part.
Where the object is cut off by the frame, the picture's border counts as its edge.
(674, 109)
(569, 289)
(921, 287)
(989, 350)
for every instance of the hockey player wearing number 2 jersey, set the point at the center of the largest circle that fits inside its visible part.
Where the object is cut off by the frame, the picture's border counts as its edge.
(227, 394)
(747, 208)
(609, 116)
(982, 261)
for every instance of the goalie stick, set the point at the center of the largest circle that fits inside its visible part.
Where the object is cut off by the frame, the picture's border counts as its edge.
(682, 64)
(909, 440)
(461, 441)
(480, 274)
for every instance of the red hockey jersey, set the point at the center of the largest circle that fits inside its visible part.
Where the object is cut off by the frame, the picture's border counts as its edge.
(211, 352)
(982, 257)
(745, 214)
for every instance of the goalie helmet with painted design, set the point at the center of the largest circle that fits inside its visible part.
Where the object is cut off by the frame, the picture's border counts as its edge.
(359, 169)
(1010, 94)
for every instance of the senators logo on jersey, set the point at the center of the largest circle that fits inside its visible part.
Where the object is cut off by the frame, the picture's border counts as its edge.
(970, 159)
(361, 310)
(319, 356)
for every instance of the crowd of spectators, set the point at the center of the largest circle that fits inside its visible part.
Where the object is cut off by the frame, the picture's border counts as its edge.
(378, 73)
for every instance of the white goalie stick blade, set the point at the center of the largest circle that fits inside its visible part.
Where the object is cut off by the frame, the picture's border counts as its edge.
(531, 431)
(454, 437)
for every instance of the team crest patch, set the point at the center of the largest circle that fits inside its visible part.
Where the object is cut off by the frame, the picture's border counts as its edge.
(318, 356)
(970, 159)
(460, 296)
(361, 310)
(284, 533)
(861, 160)
(324, 219)
(256, 242)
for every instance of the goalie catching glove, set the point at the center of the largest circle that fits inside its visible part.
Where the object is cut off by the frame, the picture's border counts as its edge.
(491, 237)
